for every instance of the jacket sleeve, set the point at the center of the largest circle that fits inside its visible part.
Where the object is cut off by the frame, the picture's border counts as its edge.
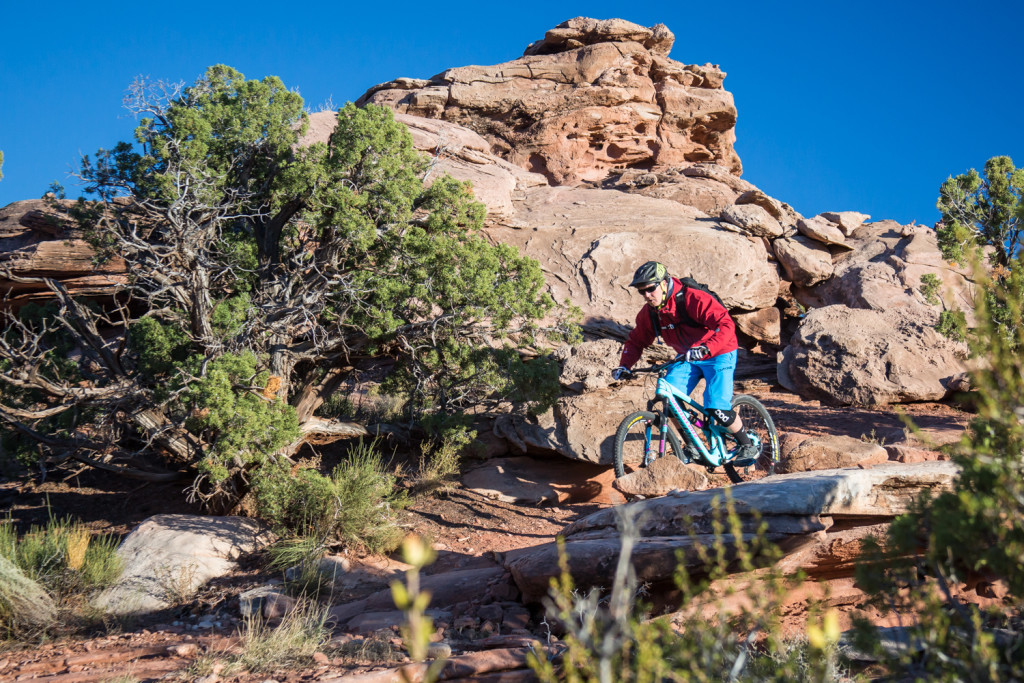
(639, 339)
(706, 310)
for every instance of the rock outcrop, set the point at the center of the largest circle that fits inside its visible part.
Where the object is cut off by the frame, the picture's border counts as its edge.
(36, 242)
(592, 96)
(805, 514)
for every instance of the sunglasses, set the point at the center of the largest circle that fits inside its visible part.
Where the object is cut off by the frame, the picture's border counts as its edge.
(647, 290)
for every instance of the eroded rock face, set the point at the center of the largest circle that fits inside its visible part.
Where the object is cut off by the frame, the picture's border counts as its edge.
(866, 357)
(592, 96)
(38, 242)
(884, 271)
(589, 242)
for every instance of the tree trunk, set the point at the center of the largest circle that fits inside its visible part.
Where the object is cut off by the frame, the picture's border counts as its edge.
(312, 396)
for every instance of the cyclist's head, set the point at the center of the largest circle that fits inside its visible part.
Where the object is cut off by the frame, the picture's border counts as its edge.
(651, 280)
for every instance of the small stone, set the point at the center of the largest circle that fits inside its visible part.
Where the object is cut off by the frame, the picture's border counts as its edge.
(439, 650)
(321, 658)
(183, 649)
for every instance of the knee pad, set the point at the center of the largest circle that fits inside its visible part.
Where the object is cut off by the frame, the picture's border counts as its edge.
(723, 417)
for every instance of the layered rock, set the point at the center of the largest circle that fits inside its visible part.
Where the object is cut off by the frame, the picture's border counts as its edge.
(807, 515)
(37, 242)
(591, 97)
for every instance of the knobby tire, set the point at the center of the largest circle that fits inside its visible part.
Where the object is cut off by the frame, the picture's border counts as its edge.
(629, 440)
(755, 419)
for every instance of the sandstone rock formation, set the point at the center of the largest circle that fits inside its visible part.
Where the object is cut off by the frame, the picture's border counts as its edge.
(642, 147)
(37, 242)
(868, 357)
(591, 97)
(806, 514)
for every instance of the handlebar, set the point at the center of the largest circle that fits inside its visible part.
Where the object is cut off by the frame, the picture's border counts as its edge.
(681, 358)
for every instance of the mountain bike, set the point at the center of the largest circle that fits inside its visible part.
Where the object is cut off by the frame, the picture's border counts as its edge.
(646, 435)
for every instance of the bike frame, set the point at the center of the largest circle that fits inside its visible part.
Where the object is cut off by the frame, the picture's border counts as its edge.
(670, 396)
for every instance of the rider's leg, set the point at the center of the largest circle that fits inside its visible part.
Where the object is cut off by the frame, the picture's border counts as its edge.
(718, 373)
(684, 377)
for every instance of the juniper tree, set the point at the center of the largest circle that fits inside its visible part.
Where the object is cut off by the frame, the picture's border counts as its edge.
(983, 212)
(260, 272)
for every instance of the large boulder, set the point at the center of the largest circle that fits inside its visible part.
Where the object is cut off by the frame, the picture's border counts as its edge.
(168, 557)
(866, 357)
(591, 97)
(805, 262)
(829, 452)
(589, 242)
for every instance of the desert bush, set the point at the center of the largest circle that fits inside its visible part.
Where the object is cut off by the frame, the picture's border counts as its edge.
(63, 556)
(440, 459)
(25, 606)
(292, 642)
(971, 535)
(355, 505)
(714, 636)
(50, 569)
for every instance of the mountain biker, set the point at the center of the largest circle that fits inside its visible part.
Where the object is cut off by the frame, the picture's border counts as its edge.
(703, 334)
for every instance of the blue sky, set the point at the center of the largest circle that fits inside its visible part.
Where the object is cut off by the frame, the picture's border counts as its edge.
(864, 106)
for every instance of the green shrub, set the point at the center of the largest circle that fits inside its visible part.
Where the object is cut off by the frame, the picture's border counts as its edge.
(929, 289)
(52, 567)
(440, 460)
(356, 505)
(63, 556)
(292, 643)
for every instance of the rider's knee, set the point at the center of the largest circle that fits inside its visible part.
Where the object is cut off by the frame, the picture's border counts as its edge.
(724, 417)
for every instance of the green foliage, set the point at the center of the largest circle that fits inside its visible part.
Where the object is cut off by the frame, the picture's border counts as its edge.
(974, 533)
(53, 567)
(613, 639)
(159, 347)
(356, 505)
(418, 627)
(63, 555)
(930, 284)
(257, 265)
(241, 426)
(290, 644)
(952, 324)
(982, 212)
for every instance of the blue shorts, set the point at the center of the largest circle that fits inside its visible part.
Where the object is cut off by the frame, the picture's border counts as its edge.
(717, 372)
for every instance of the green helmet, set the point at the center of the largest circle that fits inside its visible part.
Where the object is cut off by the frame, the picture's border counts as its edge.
(649, 273)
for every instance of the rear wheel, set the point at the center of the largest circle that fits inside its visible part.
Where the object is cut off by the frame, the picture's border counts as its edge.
(758, 424)
(638, 434)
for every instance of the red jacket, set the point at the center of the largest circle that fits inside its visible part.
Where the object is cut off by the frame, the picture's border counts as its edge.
(718, 333)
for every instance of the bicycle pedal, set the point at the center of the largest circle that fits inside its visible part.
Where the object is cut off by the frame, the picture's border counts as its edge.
(743, 462)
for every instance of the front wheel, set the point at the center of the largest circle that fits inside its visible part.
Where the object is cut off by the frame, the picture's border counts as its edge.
(637, 441)
(758, 424)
